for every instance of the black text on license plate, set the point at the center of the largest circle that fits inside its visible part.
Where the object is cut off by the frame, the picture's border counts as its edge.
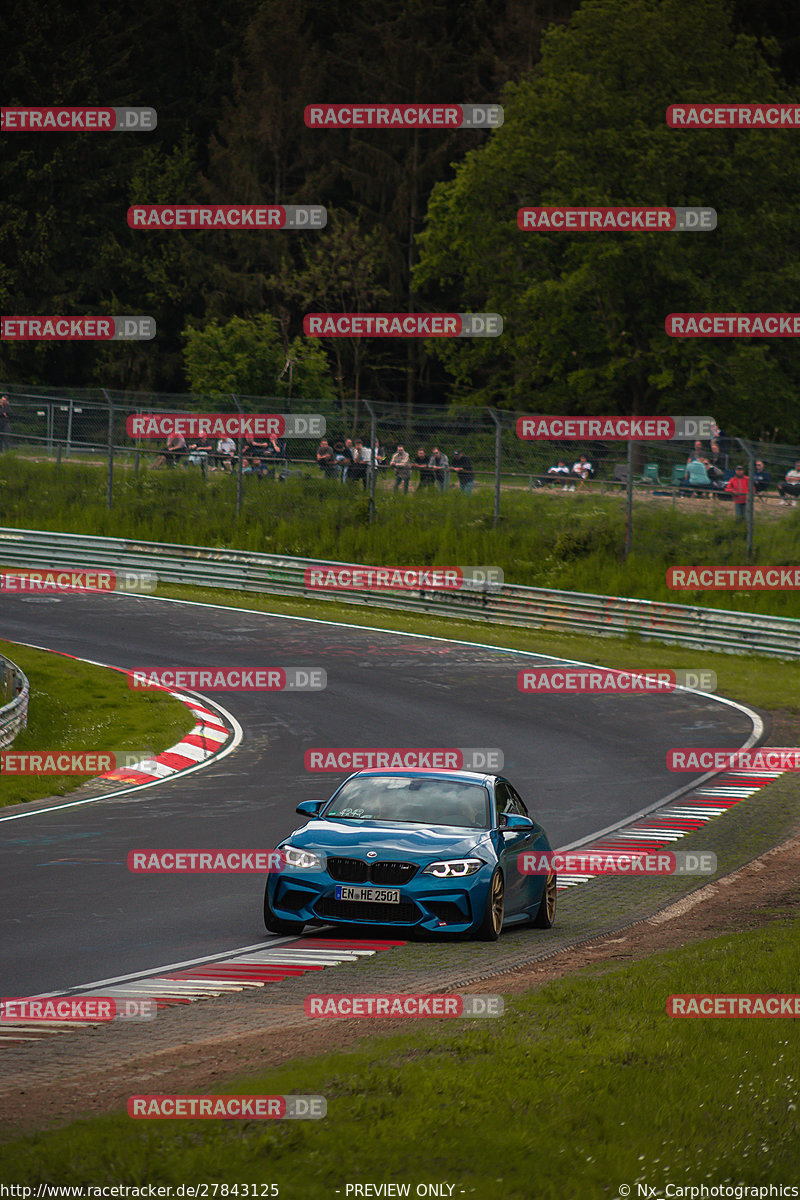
(369, 894)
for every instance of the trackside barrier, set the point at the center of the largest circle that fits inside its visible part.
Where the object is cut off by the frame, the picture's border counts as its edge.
(536, 608)
(14, 692)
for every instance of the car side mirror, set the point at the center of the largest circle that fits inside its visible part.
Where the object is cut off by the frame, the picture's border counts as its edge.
(517, 821)
(310, 808)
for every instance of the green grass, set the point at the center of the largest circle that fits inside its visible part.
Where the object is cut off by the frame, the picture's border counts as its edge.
(583, 1085)
(570, 542)
(75, 706)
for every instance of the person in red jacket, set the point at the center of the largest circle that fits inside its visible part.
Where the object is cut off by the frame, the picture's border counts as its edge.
(738, 485)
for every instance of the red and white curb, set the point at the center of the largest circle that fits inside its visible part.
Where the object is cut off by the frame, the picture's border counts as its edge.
(668, 825)
(203, 742)
(205, 981)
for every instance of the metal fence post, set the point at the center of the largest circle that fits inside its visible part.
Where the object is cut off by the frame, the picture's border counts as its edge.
(629, 502)
(110, 483)
(69, 429)
(373, 466)
(498, 449)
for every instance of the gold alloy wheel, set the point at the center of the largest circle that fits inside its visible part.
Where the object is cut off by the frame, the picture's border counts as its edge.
(497, 902)
(550, 892)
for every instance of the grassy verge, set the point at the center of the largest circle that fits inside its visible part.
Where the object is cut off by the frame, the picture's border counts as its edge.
(584, 1085)
(571, 542)
(75, 706)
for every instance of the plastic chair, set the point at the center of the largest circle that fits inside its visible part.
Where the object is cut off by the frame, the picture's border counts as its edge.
(650, 474)
(678, 473)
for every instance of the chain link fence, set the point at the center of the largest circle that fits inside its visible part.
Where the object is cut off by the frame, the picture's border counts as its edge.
(392, 451)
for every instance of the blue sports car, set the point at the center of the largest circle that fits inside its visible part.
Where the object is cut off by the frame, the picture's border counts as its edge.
(434, 851)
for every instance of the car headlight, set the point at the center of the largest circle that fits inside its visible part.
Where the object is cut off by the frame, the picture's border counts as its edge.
(454, 868)
(303, 859)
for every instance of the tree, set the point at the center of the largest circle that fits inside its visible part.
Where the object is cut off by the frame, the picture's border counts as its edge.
(585, 312)
(247, 356)
(340, 272)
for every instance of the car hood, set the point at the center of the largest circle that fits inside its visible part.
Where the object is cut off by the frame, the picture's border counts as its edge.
(423, 843)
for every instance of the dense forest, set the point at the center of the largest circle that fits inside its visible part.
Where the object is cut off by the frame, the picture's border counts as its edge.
(417, 220)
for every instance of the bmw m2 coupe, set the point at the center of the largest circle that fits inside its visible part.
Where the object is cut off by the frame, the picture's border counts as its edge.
(434, 851)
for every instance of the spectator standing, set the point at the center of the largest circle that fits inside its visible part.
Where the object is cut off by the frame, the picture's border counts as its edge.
(5, 423)
(401, 461)
(738, 485)
(421, 465)
(761, 477)
(440, 465)
(326, 459)
(462, 465)
(791, 485)
(348, 458)
(362, 462)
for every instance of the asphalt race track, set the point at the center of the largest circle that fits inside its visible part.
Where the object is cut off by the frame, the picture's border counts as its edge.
(70, 911)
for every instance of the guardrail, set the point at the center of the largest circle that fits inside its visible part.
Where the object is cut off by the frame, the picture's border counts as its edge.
(14, 693)
(604, 616)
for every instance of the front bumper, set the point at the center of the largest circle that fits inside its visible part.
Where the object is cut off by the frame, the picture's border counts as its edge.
(435, 905)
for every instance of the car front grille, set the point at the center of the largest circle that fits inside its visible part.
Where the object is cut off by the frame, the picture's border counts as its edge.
(347, 870)
(405, 913)
(355, 870)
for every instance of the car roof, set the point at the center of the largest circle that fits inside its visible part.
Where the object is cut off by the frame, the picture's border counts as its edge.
(426, 773)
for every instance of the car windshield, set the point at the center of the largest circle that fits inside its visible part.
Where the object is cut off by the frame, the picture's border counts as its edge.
(412, 801)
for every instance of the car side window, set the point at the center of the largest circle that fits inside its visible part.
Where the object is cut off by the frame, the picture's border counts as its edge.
(519, 806)
(503, 801)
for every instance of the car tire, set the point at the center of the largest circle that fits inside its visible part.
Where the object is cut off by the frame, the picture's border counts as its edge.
(492, 922)
(546, 912)
(277, 924)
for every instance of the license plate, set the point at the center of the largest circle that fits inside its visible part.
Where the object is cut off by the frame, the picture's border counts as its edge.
(369, 894)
